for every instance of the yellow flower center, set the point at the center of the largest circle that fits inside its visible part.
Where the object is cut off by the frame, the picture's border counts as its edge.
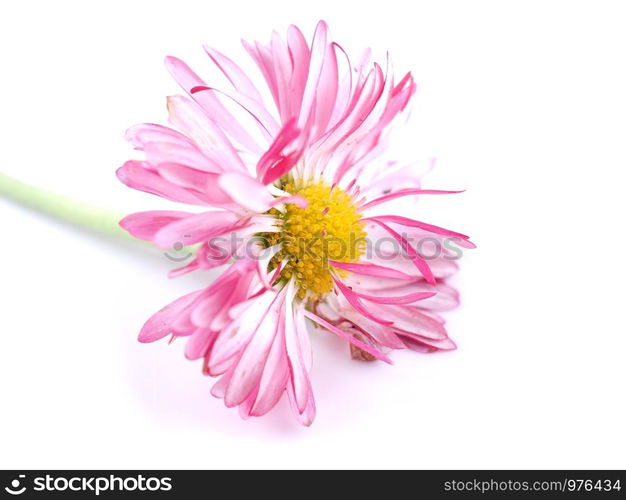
(327, 229)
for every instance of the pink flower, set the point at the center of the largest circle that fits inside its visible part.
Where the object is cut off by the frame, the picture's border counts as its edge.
(299, 197)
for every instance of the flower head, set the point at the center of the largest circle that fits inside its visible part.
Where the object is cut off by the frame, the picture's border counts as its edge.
(296, 209)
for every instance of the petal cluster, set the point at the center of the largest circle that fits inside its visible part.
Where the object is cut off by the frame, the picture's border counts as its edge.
(246, 162)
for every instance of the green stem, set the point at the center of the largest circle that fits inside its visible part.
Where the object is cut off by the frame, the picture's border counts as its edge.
(63, 208)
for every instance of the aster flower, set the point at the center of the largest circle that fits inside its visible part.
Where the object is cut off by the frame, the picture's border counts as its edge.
(299, 198)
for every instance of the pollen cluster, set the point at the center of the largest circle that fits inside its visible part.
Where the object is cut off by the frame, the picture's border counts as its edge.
(327, 229)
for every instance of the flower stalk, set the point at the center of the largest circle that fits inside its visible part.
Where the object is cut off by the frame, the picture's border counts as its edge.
(77, 213)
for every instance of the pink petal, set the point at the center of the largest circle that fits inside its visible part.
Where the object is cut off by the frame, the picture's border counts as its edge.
(363, 103)
(235, 74)
(397, 299)
(245, 408)
(252, 362)
(282, 66)
(197, 227)
(382, 334)
(262, 57)
(215, 301)
(419, 262)
(212, 255)
(135, 175)
(161, 323)
(269, 126)
(388, 181)
(346, 336)
(189, 117)
(371, 284)
(158, 153)
(219, 388)
(318, 52)
(344, 90)
(300, 55)
(188, 80)
(246, 191)
(327, 87)
(404, 221)
(298, 349)
(415, 342)
(409, 321)
(281, 156)
(275, 374)
(355, 302)
(186, 177)
(181, 271)
(307, 416)
(208, 255)
(403, 192)
(296, 199)
(418, 346)
(144, 225)
(371, 270)
(233, 339)
(199, 343)
(446, 299)
(146, 133)
(443, 267)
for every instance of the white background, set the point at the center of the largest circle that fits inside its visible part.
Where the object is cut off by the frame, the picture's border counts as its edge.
(522, 103)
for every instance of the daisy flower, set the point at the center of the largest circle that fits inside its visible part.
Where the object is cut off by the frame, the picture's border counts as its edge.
(300, 198)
